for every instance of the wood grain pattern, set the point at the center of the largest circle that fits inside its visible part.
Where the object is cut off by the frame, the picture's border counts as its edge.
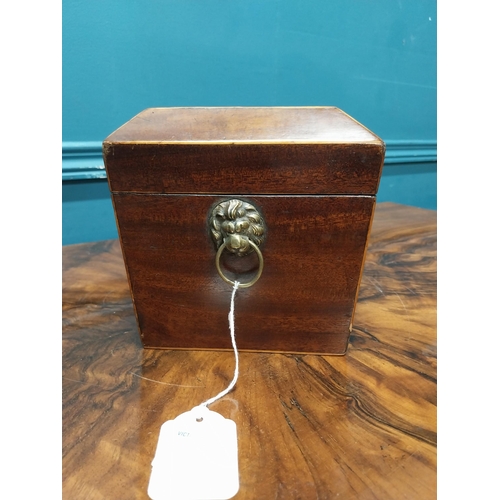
(244, 151)
(244, 168)
(313, 172)
(243, 124)
(302, 303)
(362, 426)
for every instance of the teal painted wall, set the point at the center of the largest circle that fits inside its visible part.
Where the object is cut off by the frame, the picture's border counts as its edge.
(376, 60)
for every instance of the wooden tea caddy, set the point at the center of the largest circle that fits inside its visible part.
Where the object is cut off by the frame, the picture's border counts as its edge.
(280, 199)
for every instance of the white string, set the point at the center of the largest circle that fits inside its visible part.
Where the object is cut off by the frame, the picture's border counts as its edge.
(233, 341)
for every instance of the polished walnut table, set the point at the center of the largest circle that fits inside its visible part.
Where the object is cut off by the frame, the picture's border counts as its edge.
(360, 426)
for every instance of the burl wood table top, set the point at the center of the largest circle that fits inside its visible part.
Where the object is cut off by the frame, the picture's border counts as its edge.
(359, 426)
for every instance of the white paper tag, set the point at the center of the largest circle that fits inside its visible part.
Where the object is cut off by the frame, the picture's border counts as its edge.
(196, 458)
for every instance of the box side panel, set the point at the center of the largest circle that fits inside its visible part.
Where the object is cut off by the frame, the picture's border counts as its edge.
(303, 302)
(362, 267)
(244, 168)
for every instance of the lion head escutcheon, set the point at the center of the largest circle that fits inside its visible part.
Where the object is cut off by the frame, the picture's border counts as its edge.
(239, 228)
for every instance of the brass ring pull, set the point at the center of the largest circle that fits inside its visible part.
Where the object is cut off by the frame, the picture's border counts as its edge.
(249, 283)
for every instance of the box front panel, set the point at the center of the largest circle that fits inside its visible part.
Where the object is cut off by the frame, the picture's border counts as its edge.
(303, 302)
(346, 169)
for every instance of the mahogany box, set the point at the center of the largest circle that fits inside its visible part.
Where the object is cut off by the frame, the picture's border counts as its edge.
(279, 199)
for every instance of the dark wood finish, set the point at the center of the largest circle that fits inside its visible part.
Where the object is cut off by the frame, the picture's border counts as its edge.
(244, 125)
(244, 151)
(302, 303)
(360, 426)
(167, 168)
(245, 168)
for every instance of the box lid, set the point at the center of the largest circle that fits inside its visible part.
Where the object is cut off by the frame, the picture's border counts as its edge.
(268, 150)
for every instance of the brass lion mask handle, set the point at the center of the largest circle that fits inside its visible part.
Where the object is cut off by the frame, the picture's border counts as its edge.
(239, 228)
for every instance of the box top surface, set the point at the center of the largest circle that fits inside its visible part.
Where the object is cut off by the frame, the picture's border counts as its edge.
(294, 125)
